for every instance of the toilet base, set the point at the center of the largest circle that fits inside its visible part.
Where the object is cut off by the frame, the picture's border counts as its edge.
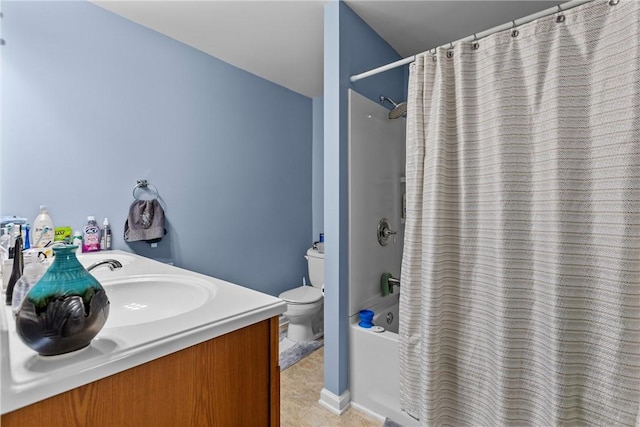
(301, 318)
(300, 331)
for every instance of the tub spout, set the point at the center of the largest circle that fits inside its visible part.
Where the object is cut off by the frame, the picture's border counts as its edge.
(393, 282)
(387, 282)
(111, 263)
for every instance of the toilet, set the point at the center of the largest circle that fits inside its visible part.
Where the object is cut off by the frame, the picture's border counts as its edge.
(305, 302)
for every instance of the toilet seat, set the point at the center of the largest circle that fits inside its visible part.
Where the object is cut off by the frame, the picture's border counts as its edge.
(302, 295)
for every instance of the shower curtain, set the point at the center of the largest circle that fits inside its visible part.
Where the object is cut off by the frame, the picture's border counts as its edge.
(520, 276)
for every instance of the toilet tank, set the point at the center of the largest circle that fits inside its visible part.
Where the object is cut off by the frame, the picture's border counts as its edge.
(316, 267)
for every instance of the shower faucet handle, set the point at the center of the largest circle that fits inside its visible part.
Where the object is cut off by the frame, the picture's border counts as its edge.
(384, 232)
(388, 232)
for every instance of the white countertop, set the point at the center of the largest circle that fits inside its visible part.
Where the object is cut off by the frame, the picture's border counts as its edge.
(26, 377)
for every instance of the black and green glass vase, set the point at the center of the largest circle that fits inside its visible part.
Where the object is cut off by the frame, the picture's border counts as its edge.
(65, 309)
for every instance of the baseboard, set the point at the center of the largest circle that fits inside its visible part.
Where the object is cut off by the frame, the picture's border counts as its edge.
(368, 412)
(333, 403)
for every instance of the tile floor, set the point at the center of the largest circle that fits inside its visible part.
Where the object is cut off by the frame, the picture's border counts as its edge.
(300, 387)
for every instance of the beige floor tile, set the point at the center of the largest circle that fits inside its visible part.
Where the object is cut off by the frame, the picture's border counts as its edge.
(300, 387)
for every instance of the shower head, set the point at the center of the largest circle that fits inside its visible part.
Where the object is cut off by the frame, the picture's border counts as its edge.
(398, 110)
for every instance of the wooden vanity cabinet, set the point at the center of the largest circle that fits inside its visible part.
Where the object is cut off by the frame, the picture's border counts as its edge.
(231, 380)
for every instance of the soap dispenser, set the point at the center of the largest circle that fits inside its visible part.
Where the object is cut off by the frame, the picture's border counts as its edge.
(43, 231)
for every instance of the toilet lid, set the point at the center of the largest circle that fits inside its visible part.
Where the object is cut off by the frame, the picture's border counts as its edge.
(302, 295)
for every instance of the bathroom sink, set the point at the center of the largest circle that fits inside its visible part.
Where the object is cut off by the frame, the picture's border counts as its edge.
(155, 310)
(148, 298)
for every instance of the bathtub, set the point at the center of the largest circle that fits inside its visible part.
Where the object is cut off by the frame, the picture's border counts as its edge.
(374, 374)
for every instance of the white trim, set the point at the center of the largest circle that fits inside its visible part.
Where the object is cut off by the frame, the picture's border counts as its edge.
(333, 403)
(368, 412)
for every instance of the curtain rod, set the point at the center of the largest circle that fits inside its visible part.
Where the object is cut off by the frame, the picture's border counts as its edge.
(550, 11)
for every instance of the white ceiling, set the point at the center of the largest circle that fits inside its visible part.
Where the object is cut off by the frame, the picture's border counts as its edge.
(281, 41)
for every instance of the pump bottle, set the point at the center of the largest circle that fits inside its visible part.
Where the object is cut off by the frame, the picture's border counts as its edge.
(105, 240)
(43, 231)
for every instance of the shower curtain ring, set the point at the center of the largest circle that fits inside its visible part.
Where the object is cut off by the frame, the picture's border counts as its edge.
(560, 18)
(514, 32)
(475, 45)
(450, 50)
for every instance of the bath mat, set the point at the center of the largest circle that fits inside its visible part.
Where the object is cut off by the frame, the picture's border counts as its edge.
(390, 423)
(291, 352)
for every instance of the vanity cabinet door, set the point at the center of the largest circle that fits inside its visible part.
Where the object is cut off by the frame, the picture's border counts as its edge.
(232, 380)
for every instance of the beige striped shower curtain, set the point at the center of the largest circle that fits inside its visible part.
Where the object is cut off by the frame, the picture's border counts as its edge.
(520, 277)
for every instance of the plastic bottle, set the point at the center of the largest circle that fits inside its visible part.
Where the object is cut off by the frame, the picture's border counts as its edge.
(43, 231)
(5, 243)
(105, 240)
(91, 235)
(26, 235)
(32, 273)
(77, 241)
(12, 239)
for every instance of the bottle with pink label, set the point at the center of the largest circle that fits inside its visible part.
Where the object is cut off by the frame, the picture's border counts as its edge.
(91, 238)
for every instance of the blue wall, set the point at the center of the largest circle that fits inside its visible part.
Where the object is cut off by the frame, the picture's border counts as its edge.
(350, 47)
(91, 102)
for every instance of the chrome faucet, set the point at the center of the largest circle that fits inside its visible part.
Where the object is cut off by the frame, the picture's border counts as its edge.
(112, 263)
(393, 282)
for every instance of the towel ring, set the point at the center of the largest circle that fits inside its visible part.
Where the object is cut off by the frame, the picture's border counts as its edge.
(144, 184)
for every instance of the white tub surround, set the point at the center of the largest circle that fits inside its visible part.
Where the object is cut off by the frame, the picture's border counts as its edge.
(142, 326)
(376, 171)
(376, 186)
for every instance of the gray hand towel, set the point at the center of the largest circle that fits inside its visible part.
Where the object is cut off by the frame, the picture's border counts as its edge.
(145, 222)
